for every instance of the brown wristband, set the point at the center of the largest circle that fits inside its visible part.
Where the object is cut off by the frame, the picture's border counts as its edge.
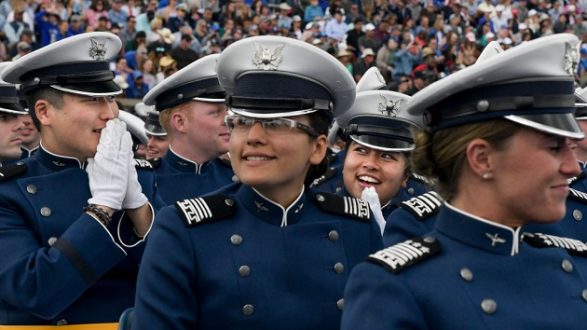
(100, 214)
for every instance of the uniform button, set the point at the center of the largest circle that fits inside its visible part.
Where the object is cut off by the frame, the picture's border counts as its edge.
(340, 304)
(248, 310)
(52, 240)
(61, 322)
(489, 306)
(31, 189)
(338, 268)
(567, 265)
(45, 211)
(229, 202)
(577, 215)
(244, 271)
(236, 239)
(429, 239)
(338, 189)
(411, 191)
(333, 235)
(466, 274)
(320, 198)
(584, 294)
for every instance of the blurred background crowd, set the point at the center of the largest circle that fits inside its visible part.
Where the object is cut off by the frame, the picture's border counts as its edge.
(412, 42)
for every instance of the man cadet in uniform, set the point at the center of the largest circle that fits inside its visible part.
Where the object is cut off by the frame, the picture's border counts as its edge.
(11, 122)
(158, 141)
(192, 111)
(267, 252)
(69, 256)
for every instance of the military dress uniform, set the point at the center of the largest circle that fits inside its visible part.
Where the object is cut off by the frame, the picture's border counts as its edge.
(240, 260)
(485, 276)
(480, 268)
(178, 177)
(77, 264)
(248, 272)
(60, 265)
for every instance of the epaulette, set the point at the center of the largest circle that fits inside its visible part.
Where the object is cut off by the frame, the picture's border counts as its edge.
(424, 206)
(224, 161)
(420, 178)
(12, 171)
(208, 209)
(142, 164)
(402, 255)
(577, 195)
(579, 177)
(540, 240)
(344, 205)
(329, 174)
(155, 162)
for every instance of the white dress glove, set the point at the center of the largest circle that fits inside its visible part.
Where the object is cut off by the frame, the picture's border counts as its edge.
(108, 170)
(370, 196)
(134, 193)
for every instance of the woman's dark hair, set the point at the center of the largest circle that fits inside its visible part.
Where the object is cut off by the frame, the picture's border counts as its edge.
(320, 121)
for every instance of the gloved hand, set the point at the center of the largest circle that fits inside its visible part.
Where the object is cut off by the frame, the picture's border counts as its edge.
(134, 193)
(370, 196)
(108, 170)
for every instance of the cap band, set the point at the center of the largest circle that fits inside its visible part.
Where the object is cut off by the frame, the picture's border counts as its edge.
(488, 102)
(201, 89)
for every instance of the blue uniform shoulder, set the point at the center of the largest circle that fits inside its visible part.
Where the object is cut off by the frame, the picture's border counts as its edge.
(539, 240)
(155, 162)
(420, 178)
(12, 171)
(577, 195)
(196, 211)
(402, 255)
(346, 206)
(329, 174)
(142, 164)
(424, 206)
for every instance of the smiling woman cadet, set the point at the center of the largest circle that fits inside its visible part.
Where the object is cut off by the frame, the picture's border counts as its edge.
(266, 253)
(379, 141)
(497, 142)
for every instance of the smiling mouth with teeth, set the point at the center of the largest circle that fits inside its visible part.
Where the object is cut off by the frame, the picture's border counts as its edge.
(257, 158)
(368, 179)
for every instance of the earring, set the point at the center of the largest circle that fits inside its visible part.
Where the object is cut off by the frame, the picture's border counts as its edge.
(486, 176)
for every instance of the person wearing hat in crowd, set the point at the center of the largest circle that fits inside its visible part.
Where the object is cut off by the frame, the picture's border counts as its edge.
(284, 20)
(73, 255)
(192, 111)
(363, 64)
(268, 241)
(157, 139)
(346, 58)
(497, 141)
(11, 122)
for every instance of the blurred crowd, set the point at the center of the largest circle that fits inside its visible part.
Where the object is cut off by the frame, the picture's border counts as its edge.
(412, 42)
